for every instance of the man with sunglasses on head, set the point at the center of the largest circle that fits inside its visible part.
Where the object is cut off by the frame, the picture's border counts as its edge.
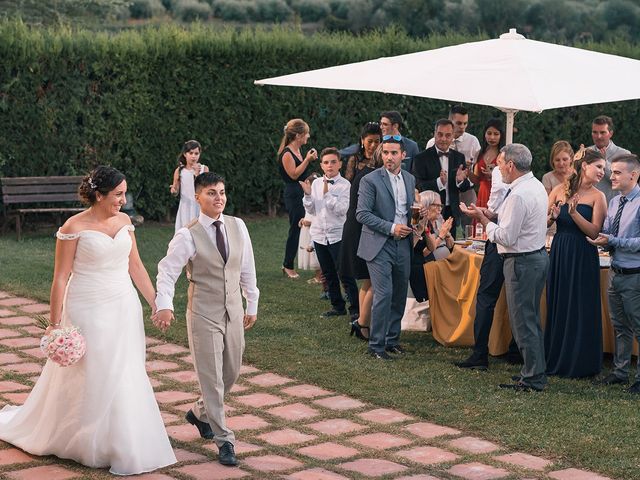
(443, 170)
(385, 197)
(390, 124)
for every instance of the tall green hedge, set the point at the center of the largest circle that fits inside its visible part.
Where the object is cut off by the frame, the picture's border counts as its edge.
(72, 99)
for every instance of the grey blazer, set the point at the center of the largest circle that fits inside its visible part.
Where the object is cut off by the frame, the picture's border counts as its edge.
(604, 185)
(376, 210)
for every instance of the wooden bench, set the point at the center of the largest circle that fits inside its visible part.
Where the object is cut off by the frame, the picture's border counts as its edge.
(44, 192)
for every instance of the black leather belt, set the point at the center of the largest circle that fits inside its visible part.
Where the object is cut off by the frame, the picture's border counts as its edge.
(523, 254)
(625, 271)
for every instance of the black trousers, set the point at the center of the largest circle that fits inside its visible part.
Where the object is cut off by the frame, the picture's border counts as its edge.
(491, 281)
(328, 260)
(293, 203)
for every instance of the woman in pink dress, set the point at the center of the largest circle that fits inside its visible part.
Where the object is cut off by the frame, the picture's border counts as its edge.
(493, 139)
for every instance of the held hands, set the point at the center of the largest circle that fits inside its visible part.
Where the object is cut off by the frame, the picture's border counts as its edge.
(162, 319)
(249, 321)
(461, 174)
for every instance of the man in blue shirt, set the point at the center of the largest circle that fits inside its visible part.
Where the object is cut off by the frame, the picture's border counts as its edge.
(621, 236)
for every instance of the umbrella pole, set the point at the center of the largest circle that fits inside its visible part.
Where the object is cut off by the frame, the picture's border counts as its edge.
(509, 130)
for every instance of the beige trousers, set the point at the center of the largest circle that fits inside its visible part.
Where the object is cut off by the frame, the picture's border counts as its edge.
(216, 347)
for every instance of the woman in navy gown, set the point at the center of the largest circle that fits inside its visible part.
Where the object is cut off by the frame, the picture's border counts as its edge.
(365, 161)
(573, 331)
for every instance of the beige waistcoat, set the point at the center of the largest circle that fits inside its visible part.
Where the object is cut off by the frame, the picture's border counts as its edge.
(214, 287)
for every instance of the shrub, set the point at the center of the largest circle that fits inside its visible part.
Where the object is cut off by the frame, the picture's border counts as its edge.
(191, 10)
(234, 10)
(272, 11)
(145, 8)
(312, 10)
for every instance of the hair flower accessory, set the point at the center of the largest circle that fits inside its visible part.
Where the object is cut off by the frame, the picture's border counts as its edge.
(91, 184)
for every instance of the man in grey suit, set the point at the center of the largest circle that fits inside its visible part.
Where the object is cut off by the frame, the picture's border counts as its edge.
(601, 132)
(385, 198)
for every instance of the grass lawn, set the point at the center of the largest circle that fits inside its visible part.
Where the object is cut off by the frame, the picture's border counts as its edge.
(589, 427)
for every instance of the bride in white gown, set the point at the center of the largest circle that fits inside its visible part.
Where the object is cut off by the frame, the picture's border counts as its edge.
(100, 412)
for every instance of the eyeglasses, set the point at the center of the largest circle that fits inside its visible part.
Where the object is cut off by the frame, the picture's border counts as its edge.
(397, 138)
(437, 205)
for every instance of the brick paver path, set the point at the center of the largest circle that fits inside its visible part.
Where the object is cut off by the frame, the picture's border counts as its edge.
(285, 429)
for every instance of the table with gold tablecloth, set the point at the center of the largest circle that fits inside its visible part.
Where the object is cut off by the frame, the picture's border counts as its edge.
(452, 284)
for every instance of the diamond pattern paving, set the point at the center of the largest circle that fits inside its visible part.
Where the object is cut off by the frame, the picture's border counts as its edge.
(50, 472)
(272, 463)
(380, 441)
(10, 456)
(212, 471)
(286, 436)
(525, 460)
(428, 455)
(575, 474)
(328, 451)
(473, 445)
(316, 474)
(404, 446)
(373, 467)
(269, 380)
(306, 391)
(477, 471)
(293, 412)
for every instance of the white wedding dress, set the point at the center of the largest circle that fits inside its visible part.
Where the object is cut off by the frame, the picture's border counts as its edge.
(100, 412)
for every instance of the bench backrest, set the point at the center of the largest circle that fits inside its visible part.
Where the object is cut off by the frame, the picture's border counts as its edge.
(39, 189)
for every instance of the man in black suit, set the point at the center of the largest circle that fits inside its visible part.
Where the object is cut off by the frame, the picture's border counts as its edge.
(443, 170)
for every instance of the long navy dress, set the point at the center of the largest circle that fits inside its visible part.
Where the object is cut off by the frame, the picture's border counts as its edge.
(573, 333)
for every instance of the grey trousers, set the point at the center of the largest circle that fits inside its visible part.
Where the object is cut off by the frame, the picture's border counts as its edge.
(217, 347)
(624, 308)
(389, 272)
(524, 279)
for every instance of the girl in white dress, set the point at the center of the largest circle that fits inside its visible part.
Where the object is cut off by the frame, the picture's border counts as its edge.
(189, 167)
(101, 411)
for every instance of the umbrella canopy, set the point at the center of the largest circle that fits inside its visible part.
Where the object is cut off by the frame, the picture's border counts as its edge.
(510, 73)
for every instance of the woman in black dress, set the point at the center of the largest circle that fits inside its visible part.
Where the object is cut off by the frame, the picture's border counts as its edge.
(573, 332)
(365, 161)
(292, 170)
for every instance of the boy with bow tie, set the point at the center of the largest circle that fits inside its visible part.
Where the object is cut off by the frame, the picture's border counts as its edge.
(327, 198)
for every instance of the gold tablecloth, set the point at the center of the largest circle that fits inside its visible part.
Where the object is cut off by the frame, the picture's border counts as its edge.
(452, 284)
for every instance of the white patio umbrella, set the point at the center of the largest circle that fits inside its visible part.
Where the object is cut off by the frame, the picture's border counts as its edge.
(510, 73)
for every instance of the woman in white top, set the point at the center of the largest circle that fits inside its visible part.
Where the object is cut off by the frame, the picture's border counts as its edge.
(189, 167)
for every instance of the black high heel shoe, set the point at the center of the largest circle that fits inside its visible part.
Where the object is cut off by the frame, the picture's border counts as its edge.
(356, 329)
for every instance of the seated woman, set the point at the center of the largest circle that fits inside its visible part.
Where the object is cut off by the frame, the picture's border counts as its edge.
(433, 241)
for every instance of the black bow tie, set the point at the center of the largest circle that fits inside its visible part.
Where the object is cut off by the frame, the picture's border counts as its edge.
(443, 154)
(329, 181)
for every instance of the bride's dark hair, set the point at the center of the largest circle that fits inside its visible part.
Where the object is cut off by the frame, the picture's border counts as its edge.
(101, 179)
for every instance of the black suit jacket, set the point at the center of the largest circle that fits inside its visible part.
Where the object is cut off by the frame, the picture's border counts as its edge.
(426, 169)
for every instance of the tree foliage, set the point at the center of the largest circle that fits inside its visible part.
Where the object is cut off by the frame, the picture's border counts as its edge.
(71, 99)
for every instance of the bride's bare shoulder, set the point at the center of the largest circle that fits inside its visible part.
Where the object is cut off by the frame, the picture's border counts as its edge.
(74, 224)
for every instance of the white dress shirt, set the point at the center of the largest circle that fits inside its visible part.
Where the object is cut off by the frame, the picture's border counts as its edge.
(498, 191)
(522, 218)
(444, 165)
(466, 144)
(329, 210)
(400, 196)
(182, 249)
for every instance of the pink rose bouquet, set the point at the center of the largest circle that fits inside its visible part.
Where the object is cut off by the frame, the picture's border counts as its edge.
(65, 346)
